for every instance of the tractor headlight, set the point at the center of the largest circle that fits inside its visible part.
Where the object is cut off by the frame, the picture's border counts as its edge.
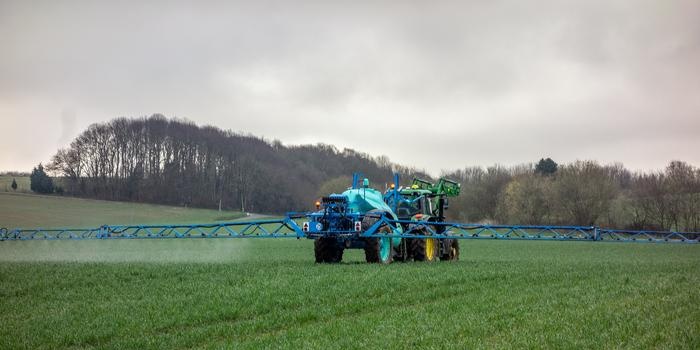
(319, 226)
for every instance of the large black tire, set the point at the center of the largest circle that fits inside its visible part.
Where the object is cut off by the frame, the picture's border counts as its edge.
(372, 245)
(337, 255)
(327, 250)
(319, 251)
(372, 250)
(451, 252)
(419, 248)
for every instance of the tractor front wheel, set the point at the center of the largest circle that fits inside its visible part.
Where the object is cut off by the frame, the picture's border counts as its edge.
(424, 249)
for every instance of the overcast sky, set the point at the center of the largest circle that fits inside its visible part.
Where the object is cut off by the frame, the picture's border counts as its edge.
(437, 85)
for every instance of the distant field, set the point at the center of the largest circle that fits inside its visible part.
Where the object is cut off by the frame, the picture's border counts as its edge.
(268, 293)
(22, 184)
(28, 210)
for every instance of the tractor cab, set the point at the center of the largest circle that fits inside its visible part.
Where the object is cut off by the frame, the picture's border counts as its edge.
(413, 202)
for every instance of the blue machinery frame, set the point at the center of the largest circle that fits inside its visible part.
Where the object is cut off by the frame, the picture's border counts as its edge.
(292, 226)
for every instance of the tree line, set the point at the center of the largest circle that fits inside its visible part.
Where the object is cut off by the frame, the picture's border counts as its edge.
(580, 193)
(176, 162)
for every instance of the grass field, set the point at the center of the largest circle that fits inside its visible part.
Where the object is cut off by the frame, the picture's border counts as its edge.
(26, 210)
(248, 293)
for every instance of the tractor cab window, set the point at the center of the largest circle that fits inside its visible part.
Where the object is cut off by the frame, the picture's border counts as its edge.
(409, 208)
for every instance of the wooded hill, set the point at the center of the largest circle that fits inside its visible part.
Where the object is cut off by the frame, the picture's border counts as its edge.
(167, 161)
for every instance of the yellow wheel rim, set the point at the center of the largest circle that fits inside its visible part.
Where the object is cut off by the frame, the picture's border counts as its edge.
(430, 246)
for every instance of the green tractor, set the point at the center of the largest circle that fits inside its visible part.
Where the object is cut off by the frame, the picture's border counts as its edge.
(423, 201)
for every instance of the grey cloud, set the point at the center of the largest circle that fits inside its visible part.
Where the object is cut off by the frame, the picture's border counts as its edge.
(438, 85)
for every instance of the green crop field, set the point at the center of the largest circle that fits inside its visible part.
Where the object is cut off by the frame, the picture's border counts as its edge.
(268, 293)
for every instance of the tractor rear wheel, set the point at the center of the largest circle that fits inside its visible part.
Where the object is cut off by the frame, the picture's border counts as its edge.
(451, 252)
(424, 249)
